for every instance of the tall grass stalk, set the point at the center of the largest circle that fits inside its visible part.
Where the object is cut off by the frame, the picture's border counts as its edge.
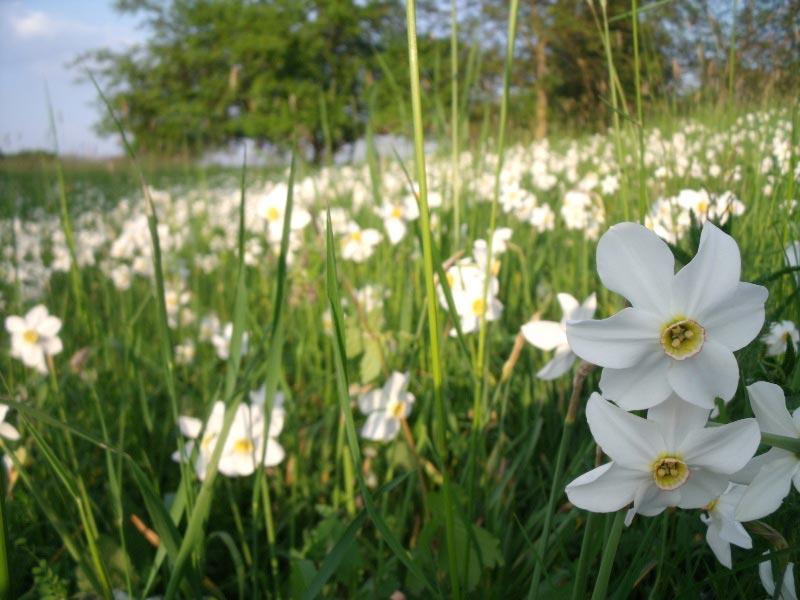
(5, 579)
(454, 125)
(643, 203)
(556, 490)
(440, 422)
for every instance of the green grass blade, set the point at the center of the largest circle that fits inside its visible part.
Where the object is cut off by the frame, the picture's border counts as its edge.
(342, 387)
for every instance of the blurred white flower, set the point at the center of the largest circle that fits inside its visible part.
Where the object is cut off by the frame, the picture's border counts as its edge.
(359, 244)
(778, 337)
(385, 408)
(551, 335)
(34, 336)
(222, 342)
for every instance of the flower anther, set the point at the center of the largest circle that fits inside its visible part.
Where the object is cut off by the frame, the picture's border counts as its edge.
(243, 446)
(396, 409)
(670, 473)
(682, 338)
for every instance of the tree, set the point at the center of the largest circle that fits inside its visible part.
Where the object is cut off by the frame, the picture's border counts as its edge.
(279, 70)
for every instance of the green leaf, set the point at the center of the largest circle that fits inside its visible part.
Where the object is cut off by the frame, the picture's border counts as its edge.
(370, 365)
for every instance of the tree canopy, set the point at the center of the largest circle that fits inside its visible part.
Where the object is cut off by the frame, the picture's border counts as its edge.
(318, 71)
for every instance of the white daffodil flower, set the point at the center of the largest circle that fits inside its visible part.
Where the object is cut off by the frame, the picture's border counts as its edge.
(778, 337)
(668, 459)
(551, 335)
(679, 334)
(723, 528)
(359, 244)
(771, 474)
(385, 408)
(34, 336)
(788, 590)
(395, 217)
(244, 445)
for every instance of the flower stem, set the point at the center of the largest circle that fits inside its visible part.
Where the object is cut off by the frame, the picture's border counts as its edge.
(555, 491)
(610, 551)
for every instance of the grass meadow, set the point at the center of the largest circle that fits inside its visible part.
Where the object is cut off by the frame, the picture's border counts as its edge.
(313, 381)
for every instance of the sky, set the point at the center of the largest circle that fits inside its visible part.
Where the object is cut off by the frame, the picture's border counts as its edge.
(38, 38)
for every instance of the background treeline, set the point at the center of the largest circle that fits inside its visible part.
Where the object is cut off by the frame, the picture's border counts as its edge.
(326, 72)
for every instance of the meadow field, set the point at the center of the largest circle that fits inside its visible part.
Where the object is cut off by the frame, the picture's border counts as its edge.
(501, 368)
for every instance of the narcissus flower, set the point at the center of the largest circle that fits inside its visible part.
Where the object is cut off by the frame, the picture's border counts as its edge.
(7, 430)
(549, 335)
(385, 408)
(34, 336)
(771, 474)
(680, 332)
(723, 528)
(245, 444)
(668, 459)
(778, 337)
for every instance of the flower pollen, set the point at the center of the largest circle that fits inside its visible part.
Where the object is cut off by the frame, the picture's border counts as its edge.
(273, 214)
(396, 409)
(682, 339)
(243, 446)
(670, 473)
(478, 306)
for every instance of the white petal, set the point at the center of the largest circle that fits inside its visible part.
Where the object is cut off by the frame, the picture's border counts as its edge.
(768, 489)
(635, 262)
(701, 488)
(396, 383)
(36, 315)
(720, 547)
(677, 418)
(49, 326)
(629, 440)
(640, 386)
(586, 310)
(618, 342)
(562, 361)
(545, 335)
(736, 321)
(769, 406)
(52, 346)
(711, 277)
(275, 453)
(4, 408)
(380, 427)
(752, 468)
(371, 401)
(189, 426)
(9, 432)
(723, 449)
(604, 489)
(16, 325)
(711, 374)
(568, 305)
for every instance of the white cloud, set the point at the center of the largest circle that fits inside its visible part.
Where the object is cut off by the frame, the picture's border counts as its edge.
(38, 24)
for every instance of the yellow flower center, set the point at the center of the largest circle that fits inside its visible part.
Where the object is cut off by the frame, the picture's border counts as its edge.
(273, 214)
(669, 473)
(356, 236)
(397, 212)
(451, 280)
(243, 446)
(702, 207)
(478, 306)
(682, 339)
(30, 336)
(396, 409)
